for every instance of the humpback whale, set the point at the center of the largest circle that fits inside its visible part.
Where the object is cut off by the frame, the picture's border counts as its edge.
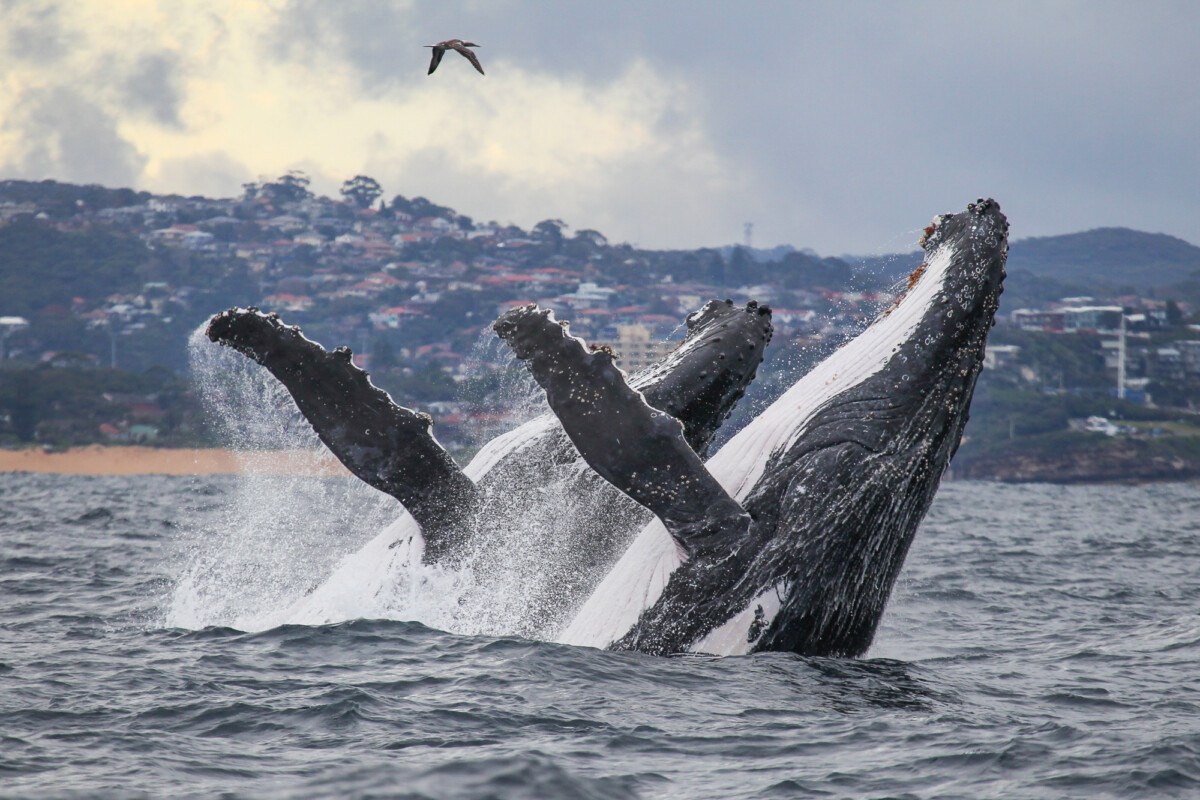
(790, 537)
(393, 449)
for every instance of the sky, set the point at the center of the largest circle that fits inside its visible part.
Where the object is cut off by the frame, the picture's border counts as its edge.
(841, 127)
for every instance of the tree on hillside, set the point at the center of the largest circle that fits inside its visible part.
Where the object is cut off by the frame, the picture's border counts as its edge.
(383, 355)
(594, 238)
(61, 200)
(420, 207)
(362, 190)
(585, 244)
(550, 231)
(1174, 314)
(800, 270)
(40, 266)
(740, 266)
(289, 188)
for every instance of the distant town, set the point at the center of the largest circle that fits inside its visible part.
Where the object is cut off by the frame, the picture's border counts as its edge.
(101, 288)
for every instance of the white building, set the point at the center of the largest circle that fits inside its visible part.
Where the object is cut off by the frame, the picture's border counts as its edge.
(636, 348)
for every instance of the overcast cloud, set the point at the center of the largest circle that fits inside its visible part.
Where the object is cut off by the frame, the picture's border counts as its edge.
(839, 127)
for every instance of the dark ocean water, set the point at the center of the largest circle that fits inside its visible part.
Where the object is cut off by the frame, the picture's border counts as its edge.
(1043, 642)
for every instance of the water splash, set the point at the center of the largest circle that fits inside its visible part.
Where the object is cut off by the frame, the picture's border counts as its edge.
(281, 533)
(498, 390)
(299, 550)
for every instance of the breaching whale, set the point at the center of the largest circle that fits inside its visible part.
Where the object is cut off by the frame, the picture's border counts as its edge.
(788, 538)
(392, 448)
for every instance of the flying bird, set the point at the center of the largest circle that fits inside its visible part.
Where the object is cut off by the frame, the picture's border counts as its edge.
(440, 49)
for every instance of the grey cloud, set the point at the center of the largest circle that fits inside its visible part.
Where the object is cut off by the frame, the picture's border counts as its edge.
(847, 125)
(146, 83)
(853, 123)
(636, 197)
(384, 41)
(67, 137)
(34, 31)
(152, 85)
(376, 37)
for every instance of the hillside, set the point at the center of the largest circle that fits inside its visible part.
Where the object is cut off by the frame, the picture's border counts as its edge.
(100, 290)
(1105, 262)
(1116, 257)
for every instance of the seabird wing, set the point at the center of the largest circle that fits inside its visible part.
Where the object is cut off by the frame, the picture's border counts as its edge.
(467, 54)
(438, 52)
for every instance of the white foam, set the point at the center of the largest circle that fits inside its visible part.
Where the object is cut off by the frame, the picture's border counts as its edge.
(242, 585)
(276, 536)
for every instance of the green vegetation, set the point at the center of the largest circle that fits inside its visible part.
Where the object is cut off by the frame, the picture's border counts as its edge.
(1010, 424)
(116, 278)
(66, 405)
(42, 266)
(61, 200)
(362, 191)
(289, 188)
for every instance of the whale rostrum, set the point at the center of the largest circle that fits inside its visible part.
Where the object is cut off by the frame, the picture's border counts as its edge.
(790, 537)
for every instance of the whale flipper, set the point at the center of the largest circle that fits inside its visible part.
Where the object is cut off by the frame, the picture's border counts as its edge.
(385, 445)
(634, 446)
(701, 381)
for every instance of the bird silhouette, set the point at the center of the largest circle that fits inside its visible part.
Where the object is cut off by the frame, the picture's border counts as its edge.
(459, 45)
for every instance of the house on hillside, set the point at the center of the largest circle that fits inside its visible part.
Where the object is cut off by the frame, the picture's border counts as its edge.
(310, 238)
(1028, 319)
(288, 302)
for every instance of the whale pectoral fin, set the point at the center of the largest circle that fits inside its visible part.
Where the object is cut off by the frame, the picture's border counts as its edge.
(701, 380)
(633, 446)
(385, 445)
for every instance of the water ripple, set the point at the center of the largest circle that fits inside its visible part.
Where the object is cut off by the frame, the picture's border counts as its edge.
(1041, 643)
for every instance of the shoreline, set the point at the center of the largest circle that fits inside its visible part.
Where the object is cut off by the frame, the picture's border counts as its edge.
(134, 460)
(138, 460)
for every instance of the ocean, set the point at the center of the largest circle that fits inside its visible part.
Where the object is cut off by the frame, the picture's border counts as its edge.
(1042, 642)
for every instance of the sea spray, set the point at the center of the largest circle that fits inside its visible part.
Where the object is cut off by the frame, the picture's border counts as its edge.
(300, 550)
(497, 391)
(280, 535)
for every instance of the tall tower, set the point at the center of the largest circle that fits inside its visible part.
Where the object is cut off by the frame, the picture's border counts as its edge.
(747, 233)
(1121, 358)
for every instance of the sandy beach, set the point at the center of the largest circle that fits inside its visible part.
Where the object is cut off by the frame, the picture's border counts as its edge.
(100, 460)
